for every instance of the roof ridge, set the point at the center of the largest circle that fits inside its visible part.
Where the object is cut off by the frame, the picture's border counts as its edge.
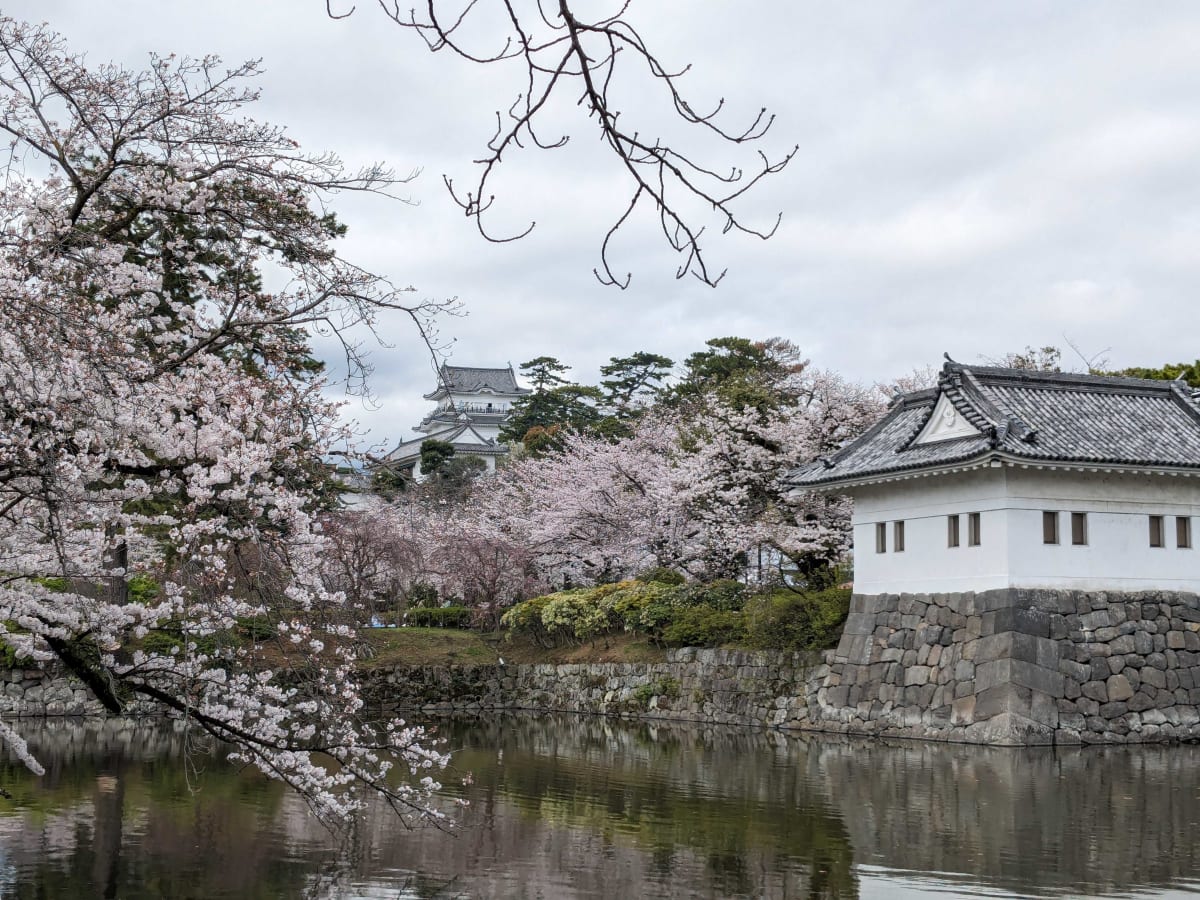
(1081, 379)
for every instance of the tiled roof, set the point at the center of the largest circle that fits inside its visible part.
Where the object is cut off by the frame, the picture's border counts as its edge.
(467, 379)
(464, 438)
(1038, 416)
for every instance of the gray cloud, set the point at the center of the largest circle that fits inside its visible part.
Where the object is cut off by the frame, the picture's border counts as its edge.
(971, 178)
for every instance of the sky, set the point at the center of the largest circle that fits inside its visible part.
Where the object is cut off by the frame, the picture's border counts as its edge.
(969, 178)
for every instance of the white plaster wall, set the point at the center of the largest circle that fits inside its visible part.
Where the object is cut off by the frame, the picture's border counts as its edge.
(1118, 552)
(1011, 501)
(927, 563)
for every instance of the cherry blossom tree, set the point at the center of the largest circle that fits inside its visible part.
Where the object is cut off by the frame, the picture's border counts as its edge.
(697, 488)
(164, 258)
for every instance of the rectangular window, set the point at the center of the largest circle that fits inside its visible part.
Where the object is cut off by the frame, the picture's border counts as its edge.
(897, 537)
(1078, 529)
(973, 523)
(881, 537)
(1183, 532)
(1049, 527)
(1156, 532)
(951, 531)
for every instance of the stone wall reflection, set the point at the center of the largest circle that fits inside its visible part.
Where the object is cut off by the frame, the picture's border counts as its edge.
(1097, 821)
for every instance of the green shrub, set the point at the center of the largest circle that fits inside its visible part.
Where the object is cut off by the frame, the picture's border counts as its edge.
(423, 595)
(442, 617)
(142, 589)
(8, 656)
(256, 628)
(646, 607)
(661, 575)
(784, 620)
(665, 686)
(723, 594)
(162, 640)
(703, 626)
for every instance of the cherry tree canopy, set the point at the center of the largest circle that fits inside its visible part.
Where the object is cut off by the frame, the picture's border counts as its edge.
(695, 488)
(160, 413)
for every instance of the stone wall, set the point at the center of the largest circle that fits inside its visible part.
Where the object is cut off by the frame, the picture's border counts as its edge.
(1017, 666)
(1004, 667)
(714, 686)
(34, 692)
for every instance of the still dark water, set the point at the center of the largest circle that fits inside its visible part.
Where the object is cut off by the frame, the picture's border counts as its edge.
(587, 808)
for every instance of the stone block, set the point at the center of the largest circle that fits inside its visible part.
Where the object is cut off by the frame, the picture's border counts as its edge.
(1095, 690)
(1071, 688)
(1071, 721)
(1047, 652)
(1075, 670)
(1004, 698)
(1118, 688)
(1037, 678)
(962, 711)
(1125, 643)
(1116, 664)
(1154, 677)
(1141, 701)
(992, 674)
(1087, 706)
(1113, 710)
(1044, 709)
(1058, 627)
(916, 675)
(1091, 621)
(994, 646)
(1143, 643)
(1157, 661)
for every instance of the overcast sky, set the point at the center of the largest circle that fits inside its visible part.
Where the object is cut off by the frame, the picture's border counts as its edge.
(971, 178)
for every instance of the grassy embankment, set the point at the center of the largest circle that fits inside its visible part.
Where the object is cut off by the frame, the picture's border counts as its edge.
(453, 646)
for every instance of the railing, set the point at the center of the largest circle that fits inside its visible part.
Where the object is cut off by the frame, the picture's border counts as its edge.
(476, 408)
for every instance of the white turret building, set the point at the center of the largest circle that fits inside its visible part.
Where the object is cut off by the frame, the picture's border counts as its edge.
(1001, 478)
(1026, 566)
(472, 406)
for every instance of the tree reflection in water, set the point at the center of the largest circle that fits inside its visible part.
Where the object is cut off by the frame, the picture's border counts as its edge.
(580, 807)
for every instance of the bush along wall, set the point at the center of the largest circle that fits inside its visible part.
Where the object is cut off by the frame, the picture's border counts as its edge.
(685, 615)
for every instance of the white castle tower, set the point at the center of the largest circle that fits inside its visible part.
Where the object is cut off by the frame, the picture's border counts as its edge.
(472, 406)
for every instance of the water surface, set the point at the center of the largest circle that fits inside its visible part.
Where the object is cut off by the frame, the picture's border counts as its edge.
(591, 808)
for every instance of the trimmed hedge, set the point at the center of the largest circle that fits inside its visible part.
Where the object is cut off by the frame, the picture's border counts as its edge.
(720, 612)
(439, 617)
(784, 620)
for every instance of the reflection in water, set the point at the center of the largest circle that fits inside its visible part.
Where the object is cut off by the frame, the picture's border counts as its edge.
(578, 807)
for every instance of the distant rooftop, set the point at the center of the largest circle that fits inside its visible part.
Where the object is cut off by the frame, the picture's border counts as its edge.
(468, 379)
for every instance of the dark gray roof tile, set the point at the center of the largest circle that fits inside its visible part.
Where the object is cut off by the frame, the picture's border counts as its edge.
(1043, 416)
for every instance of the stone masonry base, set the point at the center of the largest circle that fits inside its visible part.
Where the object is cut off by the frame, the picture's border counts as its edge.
(1017, 666)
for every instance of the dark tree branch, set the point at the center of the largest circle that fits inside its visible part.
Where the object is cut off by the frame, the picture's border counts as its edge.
(563, 52)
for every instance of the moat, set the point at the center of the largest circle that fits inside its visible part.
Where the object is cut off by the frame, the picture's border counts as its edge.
(584, 807)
